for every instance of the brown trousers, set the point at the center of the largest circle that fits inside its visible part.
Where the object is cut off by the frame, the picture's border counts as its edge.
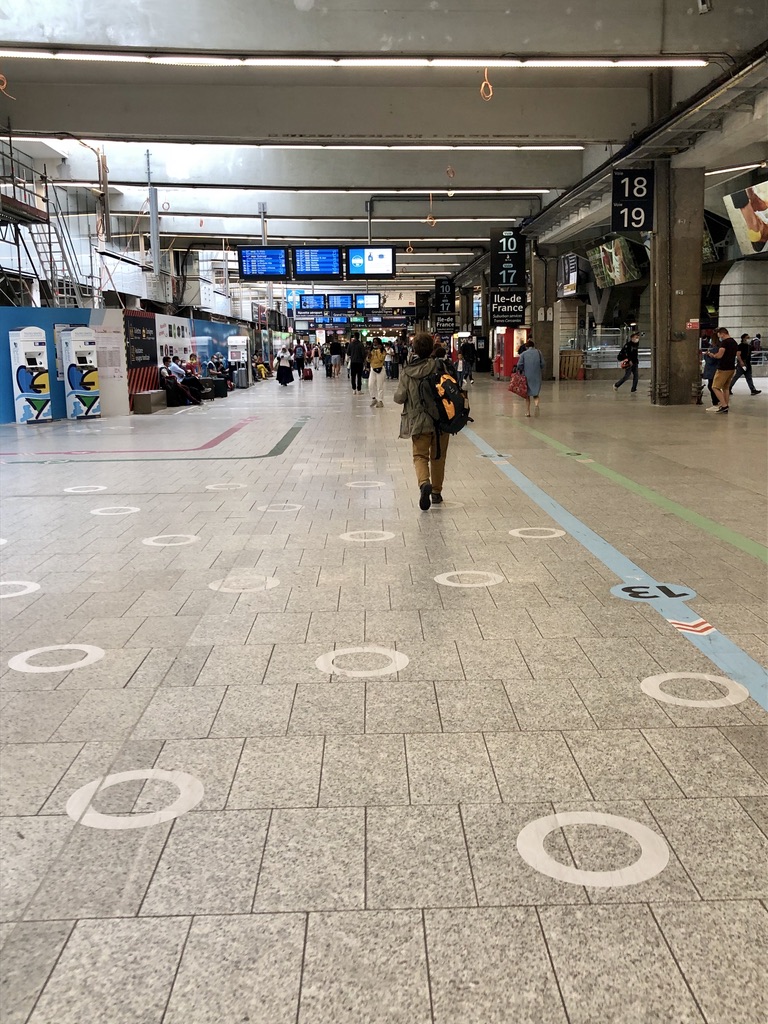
(428, 468)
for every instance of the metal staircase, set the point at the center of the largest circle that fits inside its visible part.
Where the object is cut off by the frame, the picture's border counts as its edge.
(58, 264)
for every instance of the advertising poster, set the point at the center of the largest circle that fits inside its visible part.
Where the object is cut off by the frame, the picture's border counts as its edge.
(748, 211)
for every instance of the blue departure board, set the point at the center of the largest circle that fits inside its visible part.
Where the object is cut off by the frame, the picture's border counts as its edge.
(314, 302)
(368, 300)
(340, 302)
(263, 263)
(321, 262)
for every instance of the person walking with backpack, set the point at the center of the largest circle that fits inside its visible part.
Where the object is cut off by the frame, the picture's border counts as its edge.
(630, 360)
(420, 418)
(298, 358)
(356, 353)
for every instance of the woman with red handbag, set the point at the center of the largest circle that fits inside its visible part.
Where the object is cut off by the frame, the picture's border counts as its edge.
(531, 365)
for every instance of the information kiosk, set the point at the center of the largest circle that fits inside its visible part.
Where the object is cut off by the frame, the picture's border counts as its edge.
(81, 373)
(31, 380)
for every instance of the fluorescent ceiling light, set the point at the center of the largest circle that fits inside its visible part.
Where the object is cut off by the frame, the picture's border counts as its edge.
(210, 60)
(729, 170)
(419, 148)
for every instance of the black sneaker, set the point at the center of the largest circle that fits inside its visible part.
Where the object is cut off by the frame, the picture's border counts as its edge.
(437, 498)
(425, 500)
(722, 409)
(756, 392)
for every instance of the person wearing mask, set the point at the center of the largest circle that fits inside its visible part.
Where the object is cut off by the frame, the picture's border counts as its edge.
(356, 354)
(177, 369)
(469, 357)
(726, 354)
(335, 357)
(416, 423)
(531, 365)
(376, 379)
(630, 355)
(710, 369)
(283, 366)
(744, 365)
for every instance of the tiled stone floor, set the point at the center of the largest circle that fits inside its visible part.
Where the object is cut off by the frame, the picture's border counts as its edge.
(354, 858)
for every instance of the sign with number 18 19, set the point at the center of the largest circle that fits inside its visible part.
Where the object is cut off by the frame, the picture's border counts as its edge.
(632, 200)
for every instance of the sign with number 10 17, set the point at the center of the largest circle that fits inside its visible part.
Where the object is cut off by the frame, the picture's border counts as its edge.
(632, 200)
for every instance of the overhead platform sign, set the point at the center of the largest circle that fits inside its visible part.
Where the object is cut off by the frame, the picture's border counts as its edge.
(507, 259)
(507, 309)
(632, 200)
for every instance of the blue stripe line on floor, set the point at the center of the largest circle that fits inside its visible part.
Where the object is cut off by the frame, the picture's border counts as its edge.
(724, 653)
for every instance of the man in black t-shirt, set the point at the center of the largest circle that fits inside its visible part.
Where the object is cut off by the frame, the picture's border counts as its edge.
(336, 357)
(726, 353)
(744, 364)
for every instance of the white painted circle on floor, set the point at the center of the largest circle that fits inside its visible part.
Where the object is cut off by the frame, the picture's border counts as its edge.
(20, 662)
(736, 693)
(446, 579)
(397, 662)
(366, 536)
(3, 540)
(115, 510)
(366, 483)
(225, 487)
(283, 506)
(85, 489)
(652, 861)
(171, 540)
(28, 588)
(190, 789)
(241, 582)
(536, 532)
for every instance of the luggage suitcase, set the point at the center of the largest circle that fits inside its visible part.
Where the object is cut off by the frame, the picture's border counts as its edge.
(306, 373)
(328, 370)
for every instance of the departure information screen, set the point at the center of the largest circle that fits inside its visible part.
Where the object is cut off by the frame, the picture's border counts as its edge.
(312, 302)
(340, 302)
(369, 300)
(371, 262)
(321, 262)
(263, 264)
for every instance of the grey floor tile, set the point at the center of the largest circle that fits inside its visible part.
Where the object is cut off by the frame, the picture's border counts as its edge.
(474, 706)
(110, 632)
(719, 845)
(545, 658)
(401, 707)
(619, 703)
(282, 628)
(364, 770)
(439, 625)
(240, 969)
(99, 873)
(491, 659)
(620, 764)
(113, 672)
(330, 709)
(180, 712)
(704, 763)
(450, 767)
(501, 876)
(254, 711)
(210, 864)
(625, 656)
(295, 662)
(223, 629)
(114, 971)
(417, 857)
(30, 772)
(752, 744)
(104, 715)
(314, 860)
(158, 630)
(345, 627)
(27, 958)
(277, 771)
(365, 967)
(757, 808)
(544, 703)
(28, 847)
(431, 661)
(515, 624)
(235, 665)
(535, 766)
(614, 966)
(97, 759)
(721, 950)
(212, 761)
(386, 627)
(490, 965)
(35, 717)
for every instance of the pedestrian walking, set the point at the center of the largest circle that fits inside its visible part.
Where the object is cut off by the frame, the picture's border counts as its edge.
(531, 365)
(376, 380)
(630, 361)
(744, 365)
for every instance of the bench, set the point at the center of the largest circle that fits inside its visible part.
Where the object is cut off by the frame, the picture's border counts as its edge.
(145, 402)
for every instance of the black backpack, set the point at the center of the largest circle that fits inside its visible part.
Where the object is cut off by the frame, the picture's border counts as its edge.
(444, 401)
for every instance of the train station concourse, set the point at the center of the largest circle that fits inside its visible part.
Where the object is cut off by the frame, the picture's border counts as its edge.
(383, 505)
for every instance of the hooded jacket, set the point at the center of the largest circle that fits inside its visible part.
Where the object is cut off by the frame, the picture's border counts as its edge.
(415, 418)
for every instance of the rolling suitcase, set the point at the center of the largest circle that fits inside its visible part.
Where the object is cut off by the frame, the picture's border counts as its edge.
(306, 373)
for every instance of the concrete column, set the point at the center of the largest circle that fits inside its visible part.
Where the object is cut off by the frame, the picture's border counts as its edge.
(544, 295)
(744, 299)
(676, 283)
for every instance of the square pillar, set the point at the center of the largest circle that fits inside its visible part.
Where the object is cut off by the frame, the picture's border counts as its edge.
(544, 295)
(676, 284)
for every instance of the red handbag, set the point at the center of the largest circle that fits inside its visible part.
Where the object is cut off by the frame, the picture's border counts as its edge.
(518, 385)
